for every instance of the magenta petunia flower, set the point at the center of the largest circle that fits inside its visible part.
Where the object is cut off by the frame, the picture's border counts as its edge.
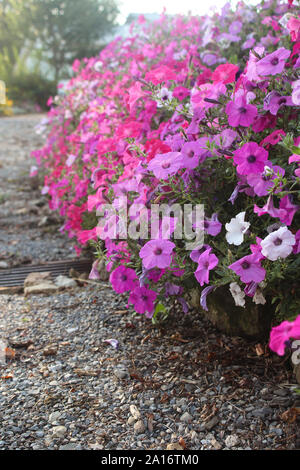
(282, 333)
(273, 63)
(157, 253)
(287, 210)
(250, 158)
(180, 92)
(166, 164)
(123, 279)
(206, 262)
(143, 300)
(296, 247)
(240, 113)
(249, 268)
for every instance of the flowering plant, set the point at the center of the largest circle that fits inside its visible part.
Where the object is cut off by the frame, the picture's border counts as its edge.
(186, 111)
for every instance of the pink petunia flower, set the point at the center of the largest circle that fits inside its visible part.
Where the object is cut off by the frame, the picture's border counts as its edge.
(143, 300)
(250, 158)
(206, 262)
(157, 253)
(225, 73)
(240, 113)
(273, 63)
(123, 279)
(282, 333)
(249, 268)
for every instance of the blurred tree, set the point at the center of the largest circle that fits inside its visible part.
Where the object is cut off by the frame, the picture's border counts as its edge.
(69, 29)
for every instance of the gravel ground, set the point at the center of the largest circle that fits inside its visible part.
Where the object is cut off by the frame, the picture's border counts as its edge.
(62, 386)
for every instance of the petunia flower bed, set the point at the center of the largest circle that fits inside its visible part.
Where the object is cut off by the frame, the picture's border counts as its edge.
(187, 112)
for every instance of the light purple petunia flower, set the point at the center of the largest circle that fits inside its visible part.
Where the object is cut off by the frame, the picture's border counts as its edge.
(263, 182)
(157, 253)
(273, 63)
(165, 165)
(204, 294)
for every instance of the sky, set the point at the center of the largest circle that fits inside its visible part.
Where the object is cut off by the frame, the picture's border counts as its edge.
(197, 7)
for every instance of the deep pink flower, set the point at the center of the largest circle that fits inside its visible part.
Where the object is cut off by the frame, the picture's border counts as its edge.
(250, 158)
(225, 73)
(281, 334)
(180, 92)
(157, 253)
(296, 248)
(273, 63)
(160, 74)
(240, 113)
(206, 262)
(249, 268)
(287, 210)
(123, 279)
(143, 300)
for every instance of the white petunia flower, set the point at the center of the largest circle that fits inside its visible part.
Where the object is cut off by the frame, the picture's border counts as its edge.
(278, 244)
(236, 229)
(164, 95)
(258, 297)
(237, 294)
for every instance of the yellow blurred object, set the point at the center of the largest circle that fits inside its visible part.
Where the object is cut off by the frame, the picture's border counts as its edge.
(5, 104)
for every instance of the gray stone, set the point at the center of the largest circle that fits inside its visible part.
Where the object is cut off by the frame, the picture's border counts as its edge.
(211, 423)
(34, 279)
(120, 373)
(231, 441)
(59, 432)
(135, 411)
(64, 282)
(70, 446)
(186, 418)
(139, 427)
(262, 412)
(46, 287)
(54, 417)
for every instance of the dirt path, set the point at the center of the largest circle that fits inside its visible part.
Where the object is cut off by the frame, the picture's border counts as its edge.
(63, 386)
(22, 208)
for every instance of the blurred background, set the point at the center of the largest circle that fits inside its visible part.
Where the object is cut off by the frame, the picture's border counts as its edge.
(40, 39)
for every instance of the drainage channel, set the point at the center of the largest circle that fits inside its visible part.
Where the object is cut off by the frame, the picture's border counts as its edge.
(15, 277)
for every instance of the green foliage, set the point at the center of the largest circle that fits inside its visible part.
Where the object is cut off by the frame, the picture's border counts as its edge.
(31, 87)
(70, 29)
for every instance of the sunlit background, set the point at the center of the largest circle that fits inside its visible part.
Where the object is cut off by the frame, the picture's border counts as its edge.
(40, 39)
(196, 7)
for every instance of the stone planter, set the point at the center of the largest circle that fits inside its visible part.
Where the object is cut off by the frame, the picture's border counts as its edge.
(251, 322)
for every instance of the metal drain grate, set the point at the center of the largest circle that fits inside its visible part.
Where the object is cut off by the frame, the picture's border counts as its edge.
(15, 277)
